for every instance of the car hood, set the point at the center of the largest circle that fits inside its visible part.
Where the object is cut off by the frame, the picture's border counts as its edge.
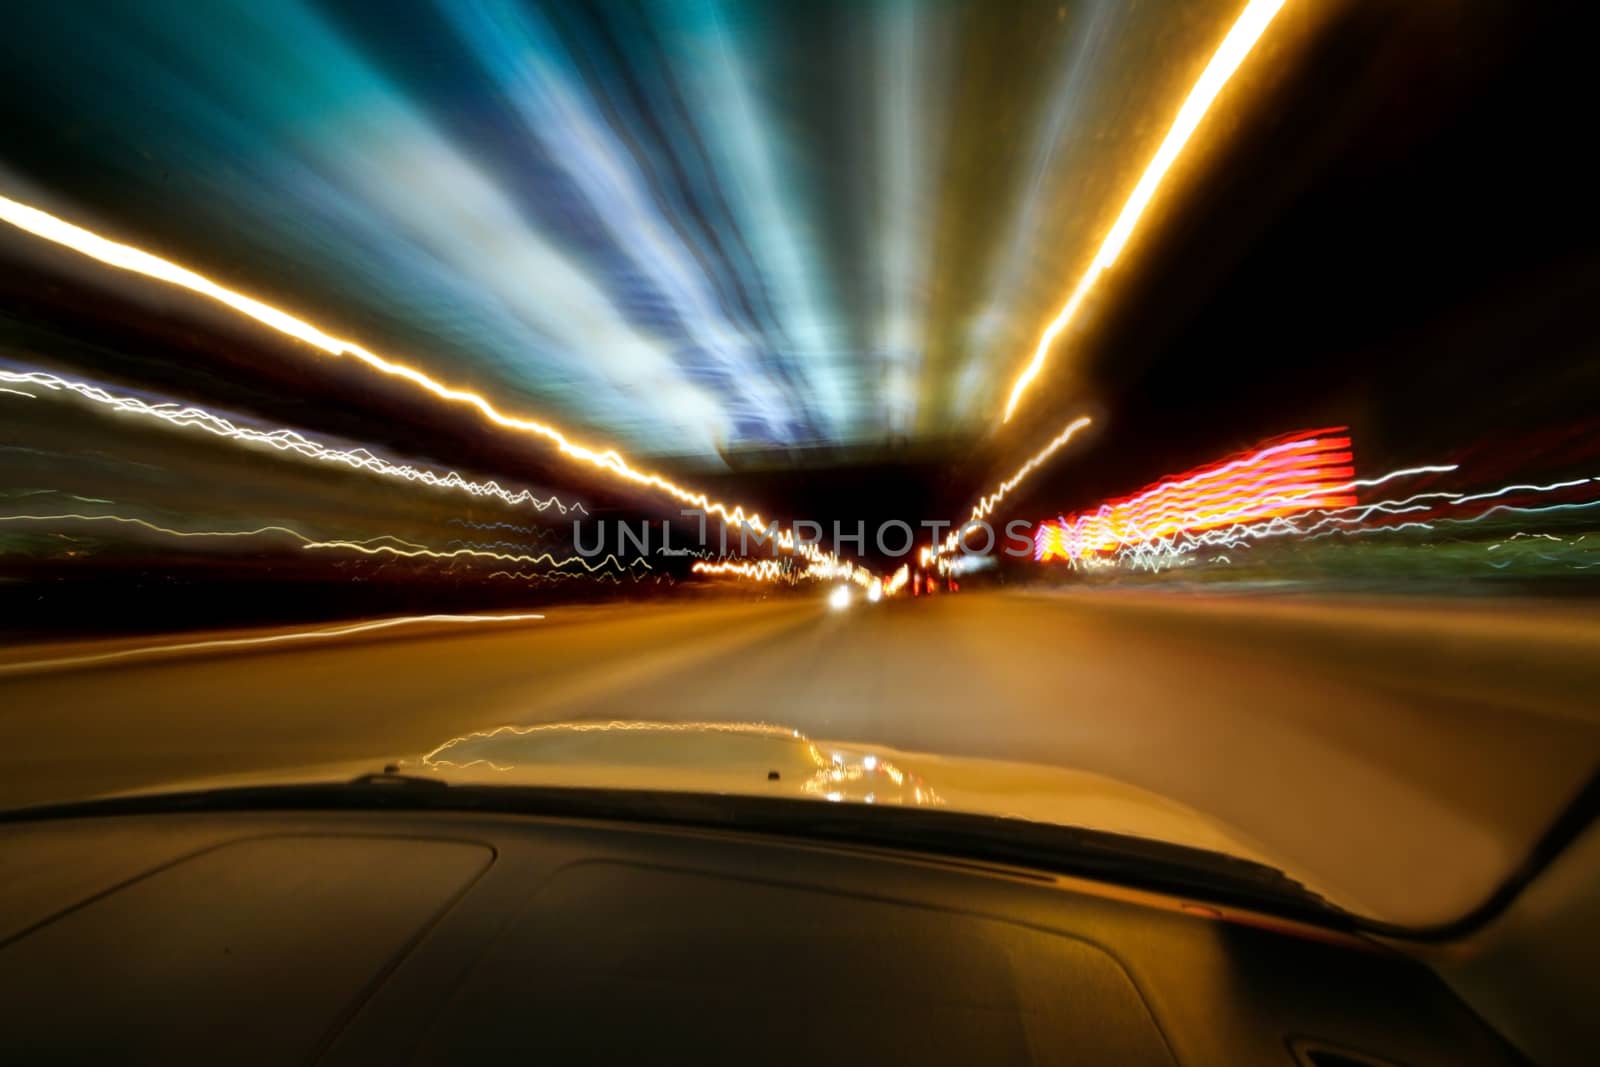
(762, 759)
(766, 760)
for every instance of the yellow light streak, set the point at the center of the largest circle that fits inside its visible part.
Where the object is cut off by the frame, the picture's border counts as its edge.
(766, 570)
(1246, 31)
(828, 570)
(897, 581)
(58, 231)
(34, 666)
(986, 504)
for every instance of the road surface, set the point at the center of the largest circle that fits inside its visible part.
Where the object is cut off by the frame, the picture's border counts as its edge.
(1411, 755)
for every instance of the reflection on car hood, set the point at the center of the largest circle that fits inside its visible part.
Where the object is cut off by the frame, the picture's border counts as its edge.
(761, 759)
(736, 757)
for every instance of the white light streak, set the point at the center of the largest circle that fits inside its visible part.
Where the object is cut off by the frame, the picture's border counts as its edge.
(144, 651)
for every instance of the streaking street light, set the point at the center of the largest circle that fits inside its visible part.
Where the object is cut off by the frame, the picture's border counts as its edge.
(1251, 24)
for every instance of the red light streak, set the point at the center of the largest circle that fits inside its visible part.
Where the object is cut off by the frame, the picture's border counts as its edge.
(1304, 471)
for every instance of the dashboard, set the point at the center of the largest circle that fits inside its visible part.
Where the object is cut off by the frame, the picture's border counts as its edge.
(448, 937)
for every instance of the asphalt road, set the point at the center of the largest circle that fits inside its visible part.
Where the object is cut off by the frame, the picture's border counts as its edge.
(1408, 755)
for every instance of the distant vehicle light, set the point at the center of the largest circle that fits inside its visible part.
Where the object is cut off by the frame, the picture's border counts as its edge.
(875, 592)
(839, 599)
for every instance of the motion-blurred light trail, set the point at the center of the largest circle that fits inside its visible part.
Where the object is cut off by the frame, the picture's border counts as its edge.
(383, 544)
(765, 570)
(1251, 24)
(897, 581)
(520, 48)
(1314, 524)
(986, 504)
(1406, 472)
(1305, 471)
(130, 520)
(561, 577)
(137, 261)
(327, 633)
(422, 552)
(286, 440)
(1571, 483)
(769, 570)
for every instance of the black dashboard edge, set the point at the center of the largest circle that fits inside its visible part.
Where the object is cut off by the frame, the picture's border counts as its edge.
(1132, 862)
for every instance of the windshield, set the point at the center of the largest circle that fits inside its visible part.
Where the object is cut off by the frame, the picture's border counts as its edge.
(1173, 419)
